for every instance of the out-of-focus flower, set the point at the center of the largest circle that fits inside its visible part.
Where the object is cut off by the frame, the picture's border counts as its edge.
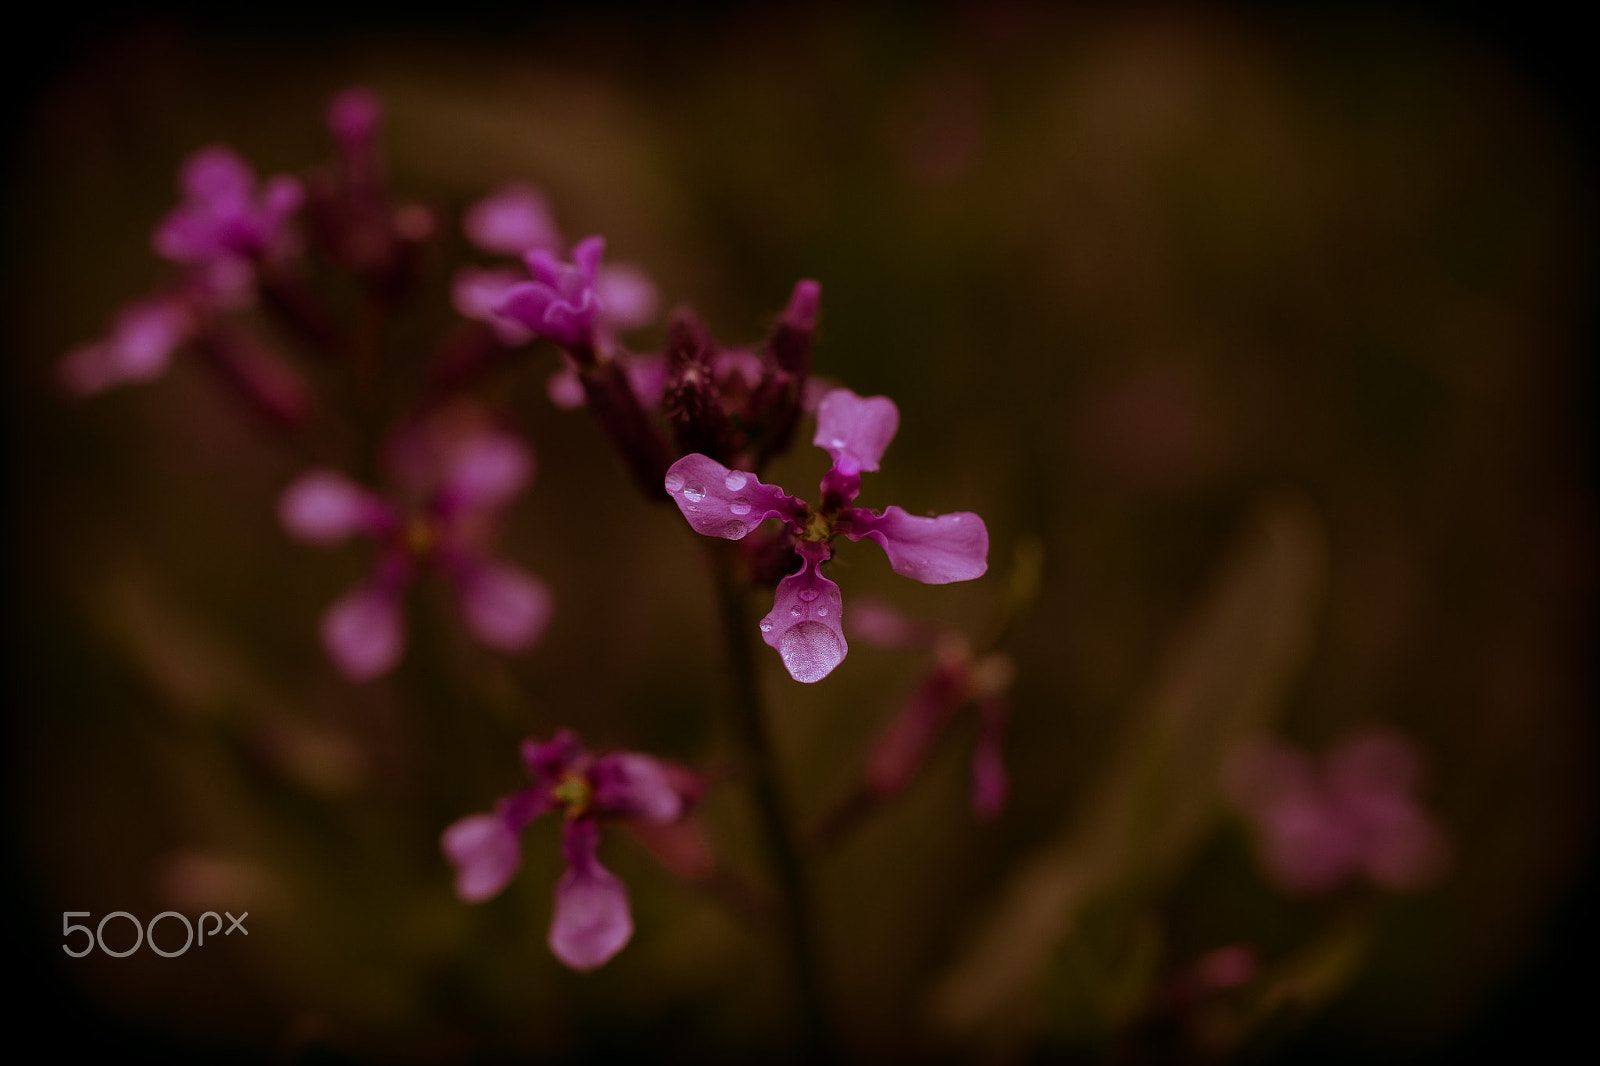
(591, 921)
(223, 216)
(449, 482)
(804, 624)
(139, 347)
(515, 220)
(1317, 825)
(958, 678)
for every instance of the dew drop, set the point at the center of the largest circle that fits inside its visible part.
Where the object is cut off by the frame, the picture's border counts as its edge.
(691, 508)
(674, 481)
(735, 481)
(833, 595)
(694, 492)
(733, 530)
(766, 626)
(810, 651)
(822, 612)
(796, 611)
(808, 594)
(740, 505)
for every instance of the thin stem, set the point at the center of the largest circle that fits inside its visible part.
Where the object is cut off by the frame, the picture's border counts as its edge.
(750, 714)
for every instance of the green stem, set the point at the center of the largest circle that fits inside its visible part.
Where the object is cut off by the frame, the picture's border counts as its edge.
(751, 720)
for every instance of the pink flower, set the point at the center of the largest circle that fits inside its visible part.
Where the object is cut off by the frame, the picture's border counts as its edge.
(592, 920)
(1319, 825)
(804, 624)
(450, 481)
(223, 216)
(515, 220)
(139, 347)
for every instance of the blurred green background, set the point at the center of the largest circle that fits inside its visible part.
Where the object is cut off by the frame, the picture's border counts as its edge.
(1269, 332)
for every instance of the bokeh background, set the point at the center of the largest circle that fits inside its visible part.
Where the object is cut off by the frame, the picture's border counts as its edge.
(1266, 334)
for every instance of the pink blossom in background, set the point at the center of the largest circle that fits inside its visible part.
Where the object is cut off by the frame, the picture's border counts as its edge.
(223, 214)
(1318, 824)
(805, 622)
(449, 478)
(957, 679)
(592, 920)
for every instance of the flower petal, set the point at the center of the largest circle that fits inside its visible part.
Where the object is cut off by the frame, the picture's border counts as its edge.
(855, 431)
(364, 632)
(719, 502)
(483, 470)
(935, 551)
(634, 786)
(325, 507)
(475, 293)
(876, 622)
(547, 761)
(592, 921)
(804, 623)
(512, 220)
(628, 298)
(504, 607)
(486, 853)
(903, 747)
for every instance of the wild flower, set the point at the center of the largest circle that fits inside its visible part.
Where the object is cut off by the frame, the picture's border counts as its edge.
(449, 478)
(592, 920)
(804, 624)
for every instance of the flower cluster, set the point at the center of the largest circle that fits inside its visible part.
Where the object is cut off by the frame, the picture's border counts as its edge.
(450, 477)
(592, 920)
(1318, 825)
(804, 624)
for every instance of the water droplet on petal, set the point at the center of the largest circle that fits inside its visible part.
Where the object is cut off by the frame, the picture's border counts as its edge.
(766, 626)
(833, 595)
(740, 505)
(691, 508)
(796, 611)
(810, 651)
(733, 530)
(735, 481)
(808, 594)
(694, 492)
(822, 612)
(674, 481)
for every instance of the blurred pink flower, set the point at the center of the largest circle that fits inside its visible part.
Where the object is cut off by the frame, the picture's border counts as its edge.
(592, 920)
(450, 479)
(1319, 825)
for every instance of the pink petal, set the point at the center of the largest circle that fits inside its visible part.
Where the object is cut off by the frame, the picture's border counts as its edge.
(324, 507)
(855, 431)
(546, 762)
(475, 293)
(486, 854)
(935, 551)
(364, 632)
(628, 298)
(592, 921)
(739, 363)
(804, 622)
(635, 786)
(503, 606)
(719, 502)
(216, 172)
(565, 389)
(512, 220)
(354, 114)
(483, 471)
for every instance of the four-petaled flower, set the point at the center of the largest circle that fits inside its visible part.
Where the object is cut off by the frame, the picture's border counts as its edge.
(450, 482)
(1318, 826)
(804, 625)
(591, 921)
